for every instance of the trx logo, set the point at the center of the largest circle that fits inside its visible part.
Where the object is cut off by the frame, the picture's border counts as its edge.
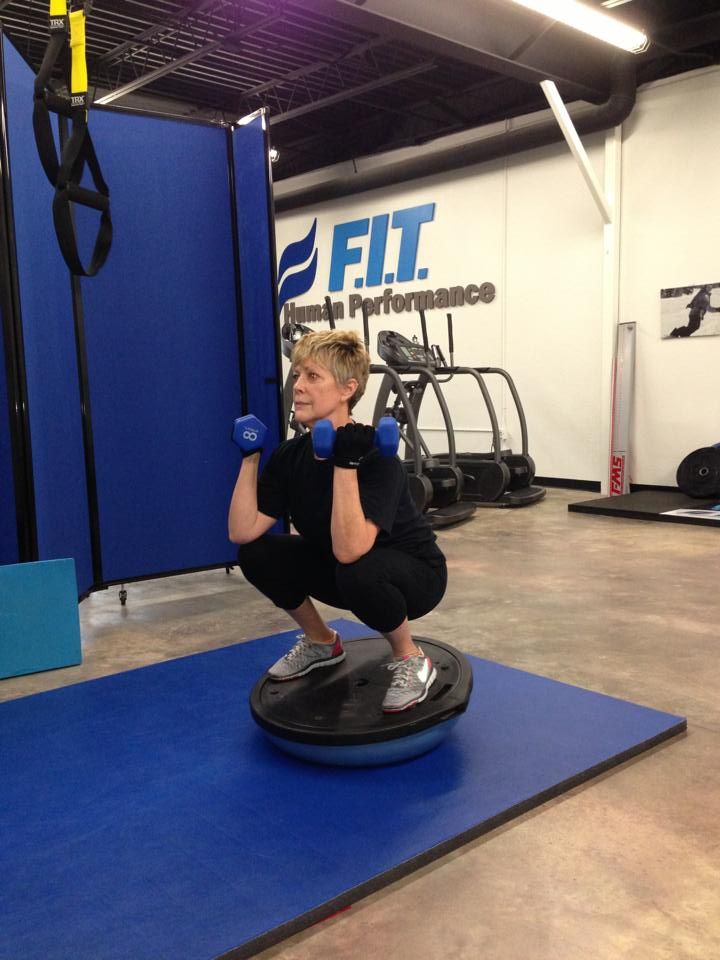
(57, 23)
(78, 101)
(617, 474)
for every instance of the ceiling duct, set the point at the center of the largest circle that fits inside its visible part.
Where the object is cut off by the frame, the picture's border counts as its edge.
(614, 111)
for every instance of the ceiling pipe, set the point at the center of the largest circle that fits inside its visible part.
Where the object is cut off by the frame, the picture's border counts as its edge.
(614, 111)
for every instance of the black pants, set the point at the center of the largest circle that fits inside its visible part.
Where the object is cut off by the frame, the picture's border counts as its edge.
(381, 588)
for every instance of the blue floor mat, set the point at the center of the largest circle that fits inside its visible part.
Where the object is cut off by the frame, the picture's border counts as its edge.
(144, 816)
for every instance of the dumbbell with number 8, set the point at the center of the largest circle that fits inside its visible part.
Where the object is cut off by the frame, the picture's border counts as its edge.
(249, 434)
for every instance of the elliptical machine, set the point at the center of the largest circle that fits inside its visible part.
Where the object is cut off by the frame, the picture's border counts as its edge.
(436, 485)
(498, 478)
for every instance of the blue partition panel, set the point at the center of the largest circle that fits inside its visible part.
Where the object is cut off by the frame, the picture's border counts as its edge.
(9, 547)
(257, 269)
(8, 520)
(48, 330)
(8, 525)
(162, 347)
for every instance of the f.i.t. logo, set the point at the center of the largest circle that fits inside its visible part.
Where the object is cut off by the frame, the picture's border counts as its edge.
(408, 222)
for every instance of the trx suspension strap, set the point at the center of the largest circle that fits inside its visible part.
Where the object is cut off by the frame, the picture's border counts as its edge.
(65, 172)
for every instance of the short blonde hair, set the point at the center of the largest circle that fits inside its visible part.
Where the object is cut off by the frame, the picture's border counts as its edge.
(342, 352)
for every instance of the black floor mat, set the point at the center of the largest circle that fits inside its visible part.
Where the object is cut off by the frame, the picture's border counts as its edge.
(654, 505)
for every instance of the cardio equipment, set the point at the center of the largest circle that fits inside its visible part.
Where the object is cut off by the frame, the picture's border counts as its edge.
(498, 478)
(436, 485)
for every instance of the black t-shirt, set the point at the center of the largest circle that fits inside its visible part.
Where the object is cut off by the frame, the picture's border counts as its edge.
(294, 482)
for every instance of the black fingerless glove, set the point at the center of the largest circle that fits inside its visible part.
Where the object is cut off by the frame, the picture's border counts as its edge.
(352, 443)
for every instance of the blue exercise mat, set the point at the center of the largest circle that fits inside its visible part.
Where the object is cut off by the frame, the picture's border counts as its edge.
(144, 816)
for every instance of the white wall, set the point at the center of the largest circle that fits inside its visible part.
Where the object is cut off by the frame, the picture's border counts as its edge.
(530, 226)
(553, 315)
(671, 189)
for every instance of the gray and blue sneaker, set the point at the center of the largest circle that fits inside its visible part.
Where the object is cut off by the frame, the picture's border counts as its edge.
(413, 677)
(306, 656)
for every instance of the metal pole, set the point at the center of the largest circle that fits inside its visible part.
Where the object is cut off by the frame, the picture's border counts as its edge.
(610, 303)
(576, 148)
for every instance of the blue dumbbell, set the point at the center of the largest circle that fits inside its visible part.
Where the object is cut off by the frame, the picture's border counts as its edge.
(387, 438)
(249, 433)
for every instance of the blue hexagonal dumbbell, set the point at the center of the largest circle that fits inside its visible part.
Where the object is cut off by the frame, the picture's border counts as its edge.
(387, 438)
(249, 434)
(323, 439)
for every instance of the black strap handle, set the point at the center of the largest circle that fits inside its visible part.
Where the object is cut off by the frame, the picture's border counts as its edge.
(65, 170)
(78, 153)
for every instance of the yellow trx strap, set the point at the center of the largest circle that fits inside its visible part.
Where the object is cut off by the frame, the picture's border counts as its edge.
(78, 67)
(65, 172)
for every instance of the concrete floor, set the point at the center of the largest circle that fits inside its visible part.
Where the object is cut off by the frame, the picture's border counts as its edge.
(627, 866)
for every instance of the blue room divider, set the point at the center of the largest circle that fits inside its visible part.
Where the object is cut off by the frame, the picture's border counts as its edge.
(261, 331)
(49, 339)
(8, 518)
(162, 346)
(134, 377)
(9, 539)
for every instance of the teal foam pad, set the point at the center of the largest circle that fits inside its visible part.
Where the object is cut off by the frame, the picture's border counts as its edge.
(39, 620)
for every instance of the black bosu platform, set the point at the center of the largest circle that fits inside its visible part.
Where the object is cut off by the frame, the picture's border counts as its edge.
(335, 715)
(650, 505)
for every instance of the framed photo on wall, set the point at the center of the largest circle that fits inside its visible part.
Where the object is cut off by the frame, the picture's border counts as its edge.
(692, 311)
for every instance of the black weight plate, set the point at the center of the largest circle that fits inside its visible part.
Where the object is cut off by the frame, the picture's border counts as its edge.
(699, 473)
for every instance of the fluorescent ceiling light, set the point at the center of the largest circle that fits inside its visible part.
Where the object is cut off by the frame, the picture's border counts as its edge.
(244, 121)
(590, 20)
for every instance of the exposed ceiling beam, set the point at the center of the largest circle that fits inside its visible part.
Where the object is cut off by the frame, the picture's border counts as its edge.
(311, 68)
(485, 33)
(190, 9)
(411, 129)
(193, 55)
(690, 33)
(352, 92)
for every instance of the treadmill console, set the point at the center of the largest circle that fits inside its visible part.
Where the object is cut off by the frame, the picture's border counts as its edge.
(397, 351)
